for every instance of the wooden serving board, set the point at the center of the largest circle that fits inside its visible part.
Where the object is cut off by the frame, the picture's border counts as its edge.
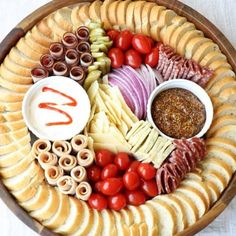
(201, 23)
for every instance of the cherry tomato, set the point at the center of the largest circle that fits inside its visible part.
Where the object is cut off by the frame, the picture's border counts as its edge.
(151, 41)
(131, 180)
(97, 201)
(135, 197)
(122, 161)
(94, 173)
(133, 166)
(111, 186)
(133, 58)
(117, 202)
(117, 57)
(104, 157)
(109, 171)
(149, 188)
(113, 34)
(124, 40)
(146, 171)
(98, 186)
(152, 58)
(141, 43)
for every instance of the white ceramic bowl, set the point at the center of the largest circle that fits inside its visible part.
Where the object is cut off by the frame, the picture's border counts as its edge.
(198, 91)
(37, 118)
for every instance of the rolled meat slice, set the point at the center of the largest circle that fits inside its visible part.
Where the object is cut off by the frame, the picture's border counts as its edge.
(61, 147)
(79, 174)
(85, 157)
(47, 62)
(67, 184)
(86, 59)
(71, 57)
(83, 47)
(47, 159)
(56, 50)
(60, 68)
(53, 173)
(78, 74)
(83, 191)
(69, 40)
(67, 162)
(39, 73)
(82, 33)
(79, 142)
(40, 145)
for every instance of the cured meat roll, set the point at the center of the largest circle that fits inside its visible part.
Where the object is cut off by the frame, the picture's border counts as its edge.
(79, 142)
(53, 173)
(67, 162)
(67, 185)
(47, 159)
(85, 157)
(79, 174)
(39, 146)
(61, 148)
(83, 191)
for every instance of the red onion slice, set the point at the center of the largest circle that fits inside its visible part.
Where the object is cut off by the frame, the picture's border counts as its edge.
(69, 40)
(82, 33)
(39, 73)
(86, 59)
(60, 68)
(77, 73)
(47, 61)
(56, 50)
(83, 47)
(71, 57)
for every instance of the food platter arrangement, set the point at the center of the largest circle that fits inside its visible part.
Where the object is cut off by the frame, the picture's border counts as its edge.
(117, 118)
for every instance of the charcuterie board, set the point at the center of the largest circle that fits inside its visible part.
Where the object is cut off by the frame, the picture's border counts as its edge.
(229, 65)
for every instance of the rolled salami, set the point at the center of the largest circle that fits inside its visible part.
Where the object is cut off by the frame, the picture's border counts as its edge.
(53, 173)
(66, 185)
(47, 159)
(67, 162)
(61, 148)
(79, 174)
(85, 157)
(40, 145)
(83, 191)
(79, 142)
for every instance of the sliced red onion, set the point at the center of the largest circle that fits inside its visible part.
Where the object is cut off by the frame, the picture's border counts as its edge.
(82, 33)
(83, 47)
(86, 59)
(56, 50)
(77, 73)
(47, 62)
(60, 68)
(69, 40)
(39, 73)
(71, 57)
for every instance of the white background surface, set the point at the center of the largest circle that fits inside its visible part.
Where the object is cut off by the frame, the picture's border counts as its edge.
(220, 12)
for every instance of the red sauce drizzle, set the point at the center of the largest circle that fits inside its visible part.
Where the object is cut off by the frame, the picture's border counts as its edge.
(50, 106)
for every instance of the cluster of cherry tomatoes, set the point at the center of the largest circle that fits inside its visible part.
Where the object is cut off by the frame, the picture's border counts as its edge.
(119, 180)
(132, 49)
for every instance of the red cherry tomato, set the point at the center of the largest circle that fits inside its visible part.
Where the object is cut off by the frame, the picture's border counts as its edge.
(97, 201)
(113, 34)
(111, 186)
(135, 198)
(149, 188)
(104, 157)
(94, 173)
(117, 202)
(117, 57)
(133, 58)
(146, 171)
(98, 186)
(151, 41)
(124, 40)
(131, 180)
(122, 161)
(109, 171)
(133, 166)
(152, 58)
(142, 43)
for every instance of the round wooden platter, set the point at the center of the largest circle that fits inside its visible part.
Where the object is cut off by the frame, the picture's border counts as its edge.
(201, 23)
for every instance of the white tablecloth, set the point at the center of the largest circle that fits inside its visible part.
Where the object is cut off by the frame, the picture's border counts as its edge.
(220, 12)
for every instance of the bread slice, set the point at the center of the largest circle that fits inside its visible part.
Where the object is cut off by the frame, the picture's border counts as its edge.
(55, 28)
(130, 16)
(14, 146)
(44, 28)
(10, 137)
(95, 11)
(98, 224)
(119, 223)
(75, 20)
(143, 229)
(121, 12)
(61, 214)
(109, 226)
(127, 215)
(219, 63)
(7, 95)
(138, 16)
(84, 12)
(145, 27)
(176, 204)
(228, 93)
(166, 216)
(10, 116)
(211, 57)
(161, 16)
(225, 109)
(38, 200)
(49, 209)
(11, 126)
(63, 18)
(226, 132)
(134, 230)
(155, 32)
(113, 13)
(10, 159)
(196, 174)
(104, 14)
(138, 215)
(10, 106)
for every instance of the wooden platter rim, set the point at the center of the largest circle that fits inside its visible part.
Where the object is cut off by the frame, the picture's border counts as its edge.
(209, 29)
